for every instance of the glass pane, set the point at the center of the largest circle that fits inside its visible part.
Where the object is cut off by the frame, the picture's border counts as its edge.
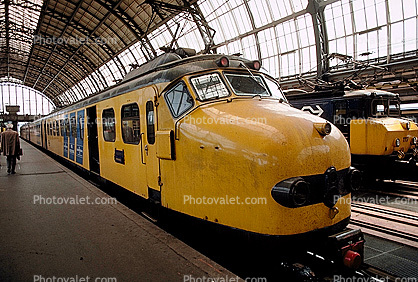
(179, 100)
(130, 124)
(209, 86)
(245, 84)
(108, 118)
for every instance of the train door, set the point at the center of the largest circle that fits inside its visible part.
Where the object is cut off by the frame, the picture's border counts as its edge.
(92, 140)
(73, 132)
(65, 135)
(80, 137)
(152, 162)
(44, 135)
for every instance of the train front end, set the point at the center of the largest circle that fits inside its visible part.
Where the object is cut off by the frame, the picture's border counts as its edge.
(247, 160)
(384, 135)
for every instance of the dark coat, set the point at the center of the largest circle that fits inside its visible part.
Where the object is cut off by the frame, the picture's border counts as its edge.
(10, 143)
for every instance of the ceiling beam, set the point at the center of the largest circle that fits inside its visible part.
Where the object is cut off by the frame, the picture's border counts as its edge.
(7, 23)
(62, 33)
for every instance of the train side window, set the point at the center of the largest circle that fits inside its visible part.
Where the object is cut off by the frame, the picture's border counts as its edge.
(150, 122)
(73, 127)
(67, 128)
(62, 127)
(54, 129)
(80, 127)
(57, 128)
(109, 130)
(131, 133)
(179, 99)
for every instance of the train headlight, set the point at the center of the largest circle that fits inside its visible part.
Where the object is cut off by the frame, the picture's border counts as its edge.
(414, 141)
(354, 179)
(397, 142)
(291, 193)
(406, 125)
(324, 128)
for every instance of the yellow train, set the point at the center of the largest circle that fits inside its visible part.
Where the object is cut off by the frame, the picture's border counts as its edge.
(380, 139)
(213, 137)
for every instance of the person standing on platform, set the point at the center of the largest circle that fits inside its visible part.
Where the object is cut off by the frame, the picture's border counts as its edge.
(10, 146)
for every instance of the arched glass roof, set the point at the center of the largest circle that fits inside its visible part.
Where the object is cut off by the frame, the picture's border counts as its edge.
(31, 101)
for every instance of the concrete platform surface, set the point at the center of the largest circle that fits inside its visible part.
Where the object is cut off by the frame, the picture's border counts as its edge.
(52, 226)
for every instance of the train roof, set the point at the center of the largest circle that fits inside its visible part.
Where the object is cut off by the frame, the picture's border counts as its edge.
(370, 92)
(164, 68)
(337, 93)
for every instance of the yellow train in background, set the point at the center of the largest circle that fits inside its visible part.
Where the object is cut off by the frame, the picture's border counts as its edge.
(381, 141)
(213, 137)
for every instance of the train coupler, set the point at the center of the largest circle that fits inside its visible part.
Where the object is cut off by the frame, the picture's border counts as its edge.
(346, 248)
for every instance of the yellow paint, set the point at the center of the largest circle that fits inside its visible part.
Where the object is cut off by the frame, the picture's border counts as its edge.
(163, 142)
(376, 136)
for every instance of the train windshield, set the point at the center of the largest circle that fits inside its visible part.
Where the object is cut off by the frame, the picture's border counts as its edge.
(384, 107)
(209, 86)
(254, 84)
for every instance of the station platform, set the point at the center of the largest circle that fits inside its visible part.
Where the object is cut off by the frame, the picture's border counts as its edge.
(53, 223)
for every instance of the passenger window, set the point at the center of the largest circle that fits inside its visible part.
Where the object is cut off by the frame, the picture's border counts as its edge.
(179, 99)
(130, 124)
(67, 128)
(57, 128)
(108, 118)
(62, 127)
(150, 122)
(73, 127)
(80, 127)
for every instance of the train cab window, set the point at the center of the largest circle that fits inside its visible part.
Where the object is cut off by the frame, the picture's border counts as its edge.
(394, 108)
(54, 129)
(209, 86)
(380, 107)
(247, 84)
(73, 127)
(62, 127)
(131, 133)
(109, 130)
(178, 99)
(150, 122)
(275, 89)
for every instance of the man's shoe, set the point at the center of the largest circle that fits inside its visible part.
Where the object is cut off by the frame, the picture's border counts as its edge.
(13, 172)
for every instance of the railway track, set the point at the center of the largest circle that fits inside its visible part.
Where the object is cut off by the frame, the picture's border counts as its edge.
(386, 222)
(398, 188)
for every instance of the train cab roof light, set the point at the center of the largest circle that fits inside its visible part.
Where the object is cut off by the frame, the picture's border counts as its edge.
(324, 128)
(222, 62)
(254, 65)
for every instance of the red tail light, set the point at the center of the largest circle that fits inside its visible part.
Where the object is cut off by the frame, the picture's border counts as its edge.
(223, 62)
(352, 259)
